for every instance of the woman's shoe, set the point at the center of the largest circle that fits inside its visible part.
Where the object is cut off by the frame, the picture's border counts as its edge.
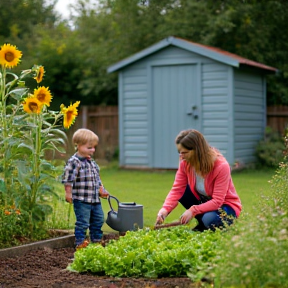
(199, 228)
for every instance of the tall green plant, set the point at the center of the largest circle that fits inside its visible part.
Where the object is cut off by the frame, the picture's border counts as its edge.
(253, 252)
(29, 129)
(9, 57)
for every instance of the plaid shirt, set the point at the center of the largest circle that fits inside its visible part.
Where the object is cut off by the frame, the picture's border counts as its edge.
(84, 176)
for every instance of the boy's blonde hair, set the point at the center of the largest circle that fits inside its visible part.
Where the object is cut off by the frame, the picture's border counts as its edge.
(83, 136)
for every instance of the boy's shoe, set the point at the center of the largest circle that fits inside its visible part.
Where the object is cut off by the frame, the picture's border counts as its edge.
(96, 241)
(84, 244)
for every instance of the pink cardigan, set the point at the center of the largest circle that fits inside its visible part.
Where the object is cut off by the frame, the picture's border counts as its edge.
(218, 185)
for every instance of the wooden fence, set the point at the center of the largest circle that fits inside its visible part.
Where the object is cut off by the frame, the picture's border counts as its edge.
(103, 120)
(277, 118)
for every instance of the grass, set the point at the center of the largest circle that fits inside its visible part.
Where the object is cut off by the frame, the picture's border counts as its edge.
(249, 254)
(251, 185)
(149, 188)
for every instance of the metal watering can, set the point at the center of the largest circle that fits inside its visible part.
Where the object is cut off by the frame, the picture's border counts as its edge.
(129, 216)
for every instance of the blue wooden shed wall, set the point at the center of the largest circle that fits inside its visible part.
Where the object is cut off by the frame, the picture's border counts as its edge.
(230, 104)
(133, 116)
(249, 113)
(217, 106)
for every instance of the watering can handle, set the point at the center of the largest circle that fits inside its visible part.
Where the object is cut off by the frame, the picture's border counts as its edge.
(109, 201)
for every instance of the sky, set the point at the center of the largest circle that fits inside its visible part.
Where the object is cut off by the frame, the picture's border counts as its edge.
(62, 7)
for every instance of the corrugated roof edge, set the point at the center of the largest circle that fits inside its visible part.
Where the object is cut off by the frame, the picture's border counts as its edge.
(240, 59)
(204, 50)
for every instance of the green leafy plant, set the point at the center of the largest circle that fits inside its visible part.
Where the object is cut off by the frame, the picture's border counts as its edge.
(269, 151)
(15, 228)
(10, 226)
(150, 253)
(253, 253)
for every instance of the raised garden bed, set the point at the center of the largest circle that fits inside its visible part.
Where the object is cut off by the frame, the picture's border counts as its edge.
(43, 264)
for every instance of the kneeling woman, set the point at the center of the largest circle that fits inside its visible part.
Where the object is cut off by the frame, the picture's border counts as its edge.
(203, 185)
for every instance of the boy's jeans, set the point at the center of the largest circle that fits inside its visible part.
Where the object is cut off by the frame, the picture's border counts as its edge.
(88, 216)
(212, 219)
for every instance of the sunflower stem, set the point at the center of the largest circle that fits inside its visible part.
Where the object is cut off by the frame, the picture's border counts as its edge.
(4, 134)
(36, 162)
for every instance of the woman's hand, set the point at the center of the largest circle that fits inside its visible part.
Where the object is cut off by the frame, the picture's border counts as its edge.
(187, 216)
(162, 214)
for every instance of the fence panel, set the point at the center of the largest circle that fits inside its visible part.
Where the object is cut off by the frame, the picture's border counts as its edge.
(277, 118)
(103, 120)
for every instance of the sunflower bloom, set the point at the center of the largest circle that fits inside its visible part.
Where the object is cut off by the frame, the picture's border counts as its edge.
(32, 105)
(43, 95)
(69, 113)
(9, 56)
(39, 73)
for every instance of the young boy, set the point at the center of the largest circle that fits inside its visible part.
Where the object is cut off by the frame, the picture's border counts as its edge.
(83, 188)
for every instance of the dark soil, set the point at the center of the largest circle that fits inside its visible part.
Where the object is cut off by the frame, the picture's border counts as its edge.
(46, 268)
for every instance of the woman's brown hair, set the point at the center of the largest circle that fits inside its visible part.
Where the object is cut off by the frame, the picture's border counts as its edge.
(204, 154)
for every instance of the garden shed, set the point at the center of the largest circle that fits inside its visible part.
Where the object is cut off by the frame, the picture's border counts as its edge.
(177, 84)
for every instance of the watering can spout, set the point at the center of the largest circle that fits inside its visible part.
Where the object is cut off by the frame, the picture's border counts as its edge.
(127, 217)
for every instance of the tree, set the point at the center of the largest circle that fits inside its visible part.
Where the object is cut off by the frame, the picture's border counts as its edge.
(258, 31)
(117, 29)
(110, 30)
(60, 52)
(19, 17)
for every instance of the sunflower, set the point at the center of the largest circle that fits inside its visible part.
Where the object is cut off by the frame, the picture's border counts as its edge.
(32, 105)
(69, 113)
(39, 73)
(43, 95)
(9, 55)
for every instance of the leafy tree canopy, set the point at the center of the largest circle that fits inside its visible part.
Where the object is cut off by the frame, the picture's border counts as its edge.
(106, 31)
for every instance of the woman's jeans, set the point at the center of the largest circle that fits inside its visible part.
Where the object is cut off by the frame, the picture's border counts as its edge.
(90, 216)
(212, 219)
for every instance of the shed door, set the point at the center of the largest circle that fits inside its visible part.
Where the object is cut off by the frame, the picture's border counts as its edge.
(174, 105)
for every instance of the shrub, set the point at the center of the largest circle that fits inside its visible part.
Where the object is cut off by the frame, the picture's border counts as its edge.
(269, 151)
(15, 228)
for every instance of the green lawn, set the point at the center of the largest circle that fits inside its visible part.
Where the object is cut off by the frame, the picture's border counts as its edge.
(251, 185)
(150, 189)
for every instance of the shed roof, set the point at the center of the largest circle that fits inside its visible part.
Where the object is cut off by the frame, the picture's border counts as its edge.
(204, 50)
